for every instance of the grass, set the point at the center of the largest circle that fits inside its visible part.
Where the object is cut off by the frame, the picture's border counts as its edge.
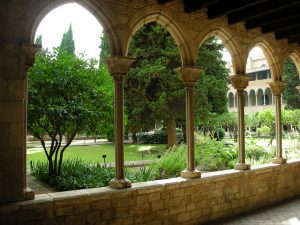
(93, 154)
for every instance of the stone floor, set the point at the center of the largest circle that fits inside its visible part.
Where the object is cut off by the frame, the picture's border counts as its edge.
(284, 213)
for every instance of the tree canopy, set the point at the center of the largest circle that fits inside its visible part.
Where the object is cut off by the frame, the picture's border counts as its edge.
(66, 96)
(291, 94)
(67, 43)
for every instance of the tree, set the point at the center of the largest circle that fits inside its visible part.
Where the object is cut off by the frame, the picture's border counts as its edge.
(266, 119)
(65, 97)
(229, 120)
(211, 89)
(153, 91)
(39, 40)
(291, 94)
(67, 43)
(104, 48)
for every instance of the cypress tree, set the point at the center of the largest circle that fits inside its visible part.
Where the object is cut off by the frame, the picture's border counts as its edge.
(67, 43)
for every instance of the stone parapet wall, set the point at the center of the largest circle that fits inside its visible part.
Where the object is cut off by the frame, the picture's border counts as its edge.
(172, 201)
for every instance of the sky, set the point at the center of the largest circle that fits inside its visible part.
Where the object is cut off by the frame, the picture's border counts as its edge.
(86, 29)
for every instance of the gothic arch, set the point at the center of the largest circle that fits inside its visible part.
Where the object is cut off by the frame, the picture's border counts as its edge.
(260, 97)
(102, 14)
(270, 54)
(252, 97)
(230, 99)
(227, 37)
(295, 56)
(177, 32)
(268, 97)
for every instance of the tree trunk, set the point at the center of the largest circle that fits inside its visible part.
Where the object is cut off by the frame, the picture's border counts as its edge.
(134, 138)
(171, 132)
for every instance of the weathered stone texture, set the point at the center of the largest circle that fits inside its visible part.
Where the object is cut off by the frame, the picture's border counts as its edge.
(174, 201)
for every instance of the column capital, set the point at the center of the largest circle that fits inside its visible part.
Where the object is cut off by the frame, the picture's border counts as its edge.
(277, 87)
(189, 75)
(28, 52)
(240, 82)
(119, 66)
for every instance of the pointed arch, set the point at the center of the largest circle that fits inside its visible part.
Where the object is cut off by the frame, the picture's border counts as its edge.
(103, 15)
(227, 38)
(177, 31)
(260, 97)
(270, 54)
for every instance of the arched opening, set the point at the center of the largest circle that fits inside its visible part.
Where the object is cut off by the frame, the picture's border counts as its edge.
(230, 100)
(260, 97)
(66, 89)
(291, 96)
(252, 98)
(246, 98)
(154, 94)
(268, 97)
(257, 66)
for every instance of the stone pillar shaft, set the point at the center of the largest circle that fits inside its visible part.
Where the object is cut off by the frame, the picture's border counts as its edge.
(189, 76)
(277, 88)
(190, 117)
(119, 67)
(240, 82)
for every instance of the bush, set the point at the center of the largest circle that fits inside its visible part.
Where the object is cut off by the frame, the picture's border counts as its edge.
(215, 155)
(171, 163)
(219, 134)
(257, 153)
(76, 174)
(159, 136)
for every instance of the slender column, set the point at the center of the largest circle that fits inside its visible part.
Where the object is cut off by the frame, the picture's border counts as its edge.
(240, 82)
(189, 76)
(119, 67)
(277, 88)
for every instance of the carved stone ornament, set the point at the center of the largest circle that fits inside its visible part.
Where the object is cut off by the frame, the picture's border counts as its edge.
(28, 54)
(119, 65)
(189, 74)
(240, 82)
(277, 87)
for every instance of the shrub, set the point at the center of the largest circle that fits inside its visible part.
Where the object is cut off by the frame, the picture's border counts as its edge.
(76, 174)
(257, 153)
(159, 136)
(219, 134)
(171, 163)
(215, 155)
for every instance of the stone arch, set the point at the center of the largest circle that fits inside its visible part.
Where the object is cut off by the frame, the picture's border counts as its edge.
(230, 43)
(161, 17)
(102, 14)
(268, 96)
(231, 100)
(295, 56)
(246, 102)
(270, 54)
(260, 97)
(252, 97)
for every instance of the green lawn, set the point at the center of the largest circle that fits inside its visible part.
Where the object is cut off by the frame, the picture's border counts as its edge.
(94, 153)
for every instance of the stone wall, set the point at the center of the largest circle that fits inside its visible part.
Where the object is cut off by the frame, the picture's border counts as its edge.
(172, 201)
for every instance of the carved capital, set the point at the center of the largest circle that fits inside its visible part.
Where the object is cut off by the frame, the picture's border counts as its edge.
(240, 82)
(189, 75)
(298, 88)
(28, 52)
(277, 87)
(119, 66)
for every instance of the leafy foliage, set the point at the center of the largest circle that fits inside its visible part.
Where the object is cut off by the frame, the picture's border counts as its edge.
(291, 94)
(67, 43)
(66, 97)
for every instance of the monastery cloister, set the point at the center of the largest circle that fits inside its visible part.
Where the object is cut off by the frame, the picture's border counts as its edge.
(190, 199)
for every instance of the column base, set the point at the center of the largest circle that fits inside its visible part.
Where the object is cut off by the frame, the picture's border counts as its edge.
(279, 161)
(242, 166)
(28, 194)
(190, 174)
(119, 183)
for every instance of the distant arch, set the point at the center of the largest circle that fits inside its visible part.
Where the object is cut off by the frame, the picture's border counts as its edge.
(268, 97)
(246, 103)
(260, 97)
(252, 98)
(231, 100)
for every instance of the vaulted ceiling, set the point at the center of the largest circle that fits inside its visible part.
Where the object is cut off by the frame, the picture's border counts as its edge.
(279, 16)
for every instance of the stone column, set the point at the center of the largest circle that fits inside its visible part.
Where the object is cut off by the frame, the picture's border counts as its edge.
(13, 117)
(119, 67)
(240, 82)
(277, 88)
(189, 76)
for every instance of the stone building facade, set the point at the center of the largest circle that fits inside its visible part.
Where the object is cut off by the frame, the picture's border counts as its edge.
(180, 201)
